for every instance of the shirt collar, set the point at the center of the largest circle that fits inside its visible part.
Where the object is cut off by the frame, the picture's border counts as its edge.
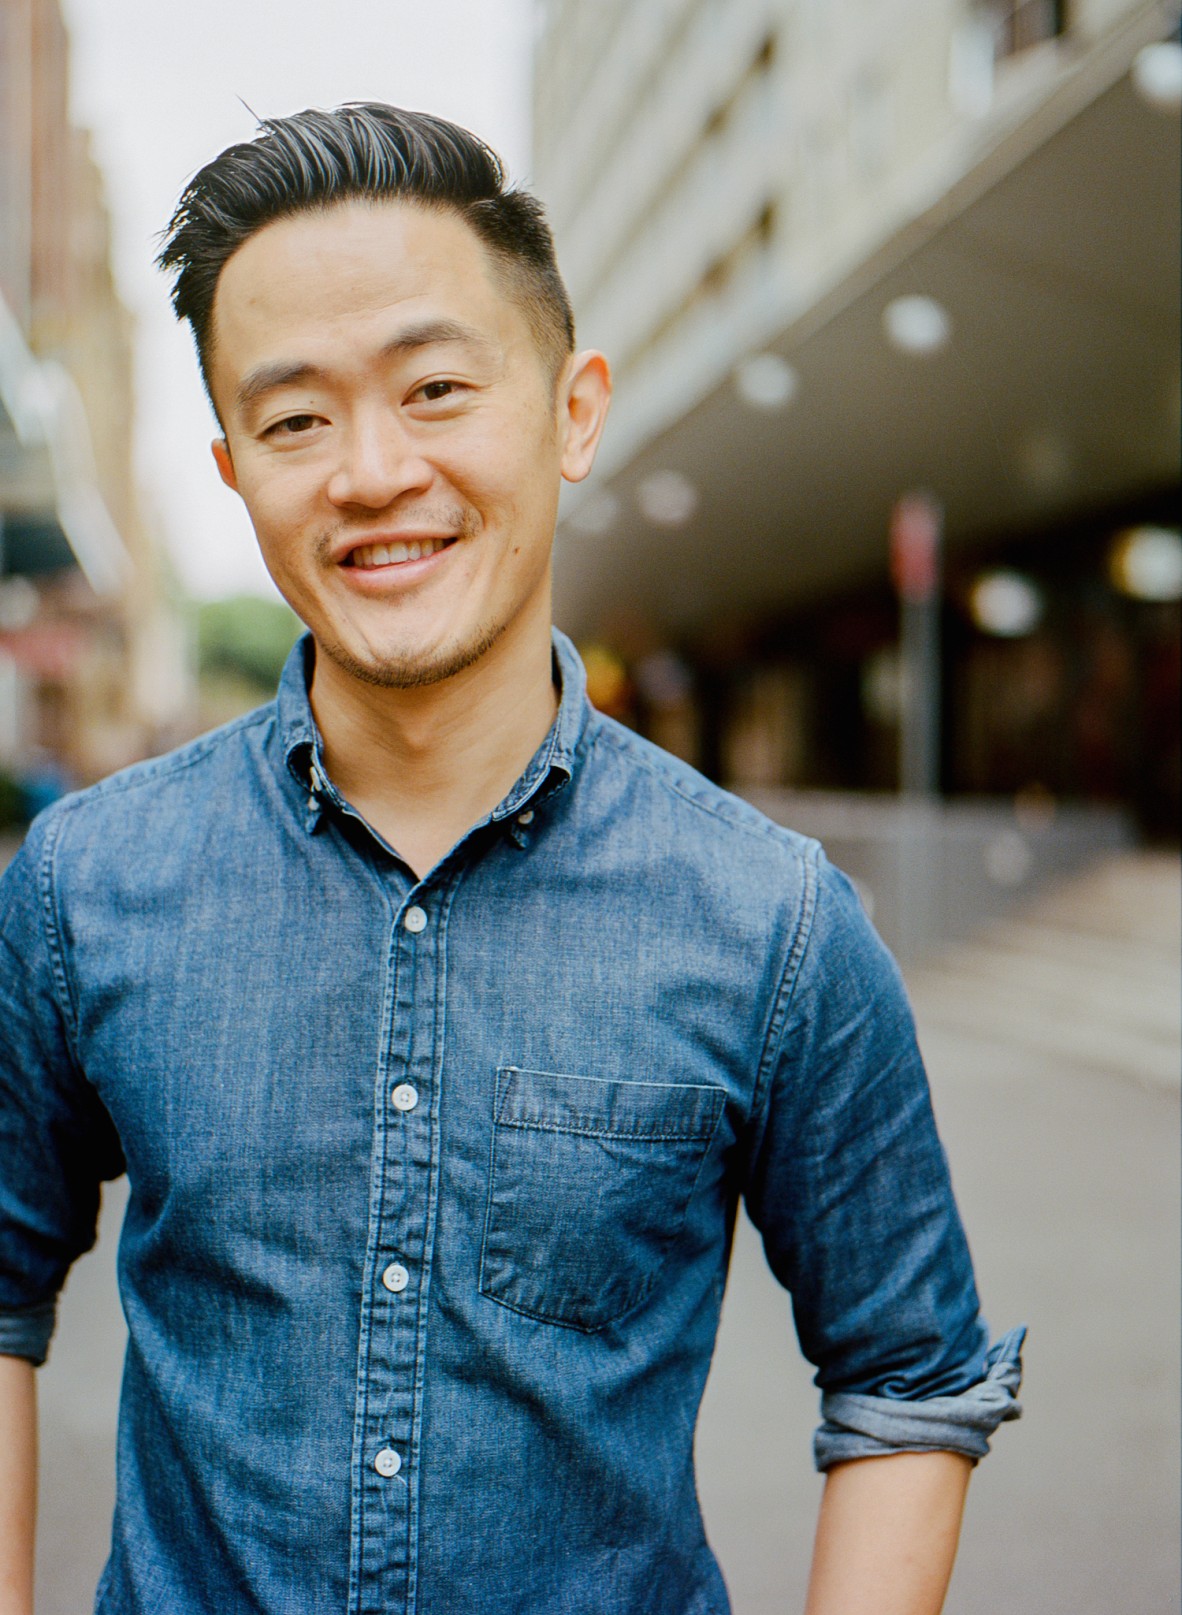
(550, 768)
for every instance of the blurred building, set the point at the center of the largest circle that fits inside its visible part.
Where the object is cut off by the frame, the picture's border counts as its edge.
(841, 252)
(92, 663)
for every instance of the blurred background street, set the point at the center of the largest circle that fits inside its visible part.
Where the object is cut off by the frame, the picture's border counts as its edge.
(884, 535)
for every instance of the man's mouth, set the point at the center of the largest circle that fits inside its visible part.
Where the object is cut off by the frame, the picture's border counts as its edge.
(368, 556)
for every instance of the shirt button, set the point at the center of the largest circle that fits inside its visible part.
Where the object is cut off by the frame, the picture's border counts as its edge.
(387, 1462)
(527, 817)
(395, 1278)
(415, 920)
(404, 1096)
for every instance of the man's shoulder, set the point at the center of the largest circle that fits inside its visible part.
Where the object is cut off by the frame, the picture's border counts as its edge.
(160, 795)
(679, 799)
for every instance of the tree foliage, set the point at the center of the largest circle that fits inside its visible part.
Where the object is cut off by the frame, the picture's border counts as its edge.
(247, 637)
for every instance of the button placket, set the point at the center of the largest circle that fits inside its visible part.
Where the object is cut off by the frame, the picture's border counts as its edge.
(401, 1260)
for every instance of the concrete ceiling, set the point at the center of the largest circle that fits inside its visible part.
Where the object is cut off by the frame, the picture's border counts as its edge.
(1057, 393)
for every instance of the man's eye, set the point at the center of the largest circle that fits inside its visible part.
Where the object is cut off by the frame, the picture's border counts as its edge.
(431, 390)
(293, 424)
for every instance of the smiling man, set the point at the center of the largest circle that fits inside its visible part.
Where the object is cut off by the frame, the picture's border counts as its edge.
(439, 1023)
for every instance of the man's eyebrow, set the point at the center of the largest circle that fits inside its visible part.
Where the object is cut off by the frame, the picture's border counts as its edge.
(428, 332)
(267, 378)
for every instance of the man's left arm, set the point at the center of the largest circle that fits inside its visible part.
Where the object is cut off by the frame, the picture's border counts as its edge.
(887, 1534)
(848, 1184)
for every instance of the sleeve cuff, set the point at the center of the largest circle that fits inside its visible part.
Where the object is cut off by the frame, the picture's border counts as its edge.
(26, 1331)
(871, 1426)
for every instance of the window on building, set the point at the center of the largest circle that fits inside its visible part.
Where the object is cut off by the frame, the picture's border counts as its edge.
(1019, 24)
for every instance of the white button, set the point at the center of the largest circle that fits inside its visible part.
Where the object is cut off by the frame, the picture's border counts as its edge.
(527, 817)
(404, 1097)
(415, 920)
(387, 1462)
(395, 1277)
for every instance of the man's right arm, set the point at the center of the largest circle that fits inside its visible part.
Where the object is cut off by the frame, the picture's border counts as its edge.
(18, 1484)
(57, 1144)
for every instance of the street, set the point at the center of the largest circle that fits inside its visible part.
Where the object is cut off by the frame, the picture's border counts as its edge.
(1053, 1046)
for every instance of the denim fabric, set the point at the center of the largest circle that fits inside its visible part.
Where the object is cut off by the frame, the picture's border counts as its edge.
(432, 1183)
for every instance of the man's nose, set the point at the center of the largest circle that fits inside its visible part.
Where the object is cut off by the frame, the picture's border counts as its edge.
(379, 460)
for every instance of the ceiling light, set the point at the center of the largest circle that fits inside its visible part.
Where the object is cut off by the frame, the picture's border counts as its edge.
(667, 498)
(1005, 604)
(1157, 75)
(1146, 563)
(765, 381)
(917, 324)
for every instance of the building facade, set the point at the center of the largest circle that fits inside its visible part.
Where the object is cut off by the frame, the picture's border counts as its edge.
(838, 253)
(92, 664)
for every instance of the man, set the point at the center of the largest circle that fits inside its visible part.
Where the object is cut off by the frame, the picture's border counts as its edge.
(439, 1022)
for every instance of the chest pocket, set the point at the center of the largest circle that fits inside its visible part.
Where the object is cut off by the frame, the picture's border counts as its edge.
(588, 1190)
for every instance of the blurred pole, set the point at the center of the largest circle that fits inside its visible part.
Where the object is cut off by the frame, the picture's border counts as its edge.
(916, 523)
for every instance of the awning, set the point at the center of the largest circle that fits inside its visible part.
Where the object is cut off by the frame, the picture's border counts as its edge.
(52, 513)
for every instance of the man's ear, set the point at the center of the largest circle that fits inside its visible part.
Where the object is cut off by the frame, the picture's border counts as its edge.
(225, 465)
(584, 395)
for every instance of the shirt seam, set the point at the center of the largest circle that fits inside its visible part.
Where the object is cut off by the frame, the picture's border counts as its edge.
(786, 992)
(64, 993)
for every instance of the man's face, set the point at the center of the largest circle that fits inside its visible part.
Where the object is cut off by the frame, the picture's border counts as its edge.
(396, 434)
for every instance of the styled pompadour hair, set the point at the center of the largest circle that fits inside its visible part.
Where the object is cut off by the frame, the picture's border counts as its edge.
(361, 151)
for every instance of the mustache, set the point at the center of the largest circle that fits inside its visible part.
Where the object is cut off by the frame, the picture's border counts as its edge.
(444, 520)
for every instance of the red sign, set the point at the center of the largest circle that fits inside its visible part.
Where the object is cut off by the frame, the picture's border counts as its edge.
(915, 546)
(47, 650)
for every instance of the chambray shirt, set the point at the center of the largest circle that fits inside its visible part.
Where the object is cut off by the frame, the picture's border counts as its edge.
(432, 1182)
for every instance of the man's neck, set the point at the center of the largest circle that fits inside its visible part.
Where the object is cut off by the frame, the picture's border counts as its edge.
(423, 765)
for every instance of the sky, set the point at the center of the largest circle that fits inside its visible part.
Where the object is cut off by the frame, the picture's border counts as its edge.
(162, 87)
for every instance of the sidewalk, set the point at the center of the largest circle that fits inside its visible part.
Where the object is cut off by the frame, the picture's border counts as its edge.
(1053, 1045)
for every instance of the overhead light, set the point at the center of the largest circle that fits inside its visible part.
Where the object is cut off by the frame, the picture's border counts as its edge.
(917, 324)
(667, 498)
(1005, 604)
(597, 514)
(1157, 75)
(765, 381)
(1146, 563)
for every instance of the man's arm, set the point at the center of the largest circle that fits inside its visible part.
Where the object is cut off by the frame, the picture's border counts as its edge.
(18, 1484)
(887, 1534)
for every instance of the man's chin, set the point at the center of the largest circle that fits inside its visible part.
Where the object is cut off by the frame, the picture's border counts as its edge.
(395, 668)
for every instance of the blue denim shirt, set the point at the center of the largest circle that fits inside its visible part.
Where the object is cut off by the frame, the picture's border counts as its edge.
(432, 1182)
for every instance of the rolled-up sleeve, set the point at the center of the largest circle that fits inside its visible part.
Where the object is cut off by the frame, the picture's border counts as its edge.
(848, 1184)
(57, 1143)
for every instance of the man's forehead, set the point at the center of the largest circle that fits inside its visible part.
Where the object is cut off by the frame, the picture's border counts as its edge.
(413, 274)
(356, 247)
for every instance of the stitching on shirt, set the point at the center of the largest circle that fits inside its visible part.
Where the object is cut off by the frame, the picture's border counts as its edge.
(589, 1130)
(789, 977)
(64, 993)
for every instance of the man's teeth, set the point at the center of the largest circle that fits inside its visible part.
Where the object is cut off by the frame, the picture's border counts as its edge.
(393, 554)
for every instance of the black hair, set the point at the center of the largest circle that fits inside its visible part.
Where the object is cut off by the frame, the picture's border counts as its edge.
(367, 151)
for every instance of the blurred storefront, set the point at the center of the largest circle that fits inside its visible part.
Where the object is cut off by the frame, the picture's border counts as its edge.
(93, 664)
(839, 254)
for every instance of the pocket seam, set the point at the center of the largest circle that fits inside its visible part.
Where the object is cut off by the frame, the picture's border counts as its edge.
(718, 1107)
